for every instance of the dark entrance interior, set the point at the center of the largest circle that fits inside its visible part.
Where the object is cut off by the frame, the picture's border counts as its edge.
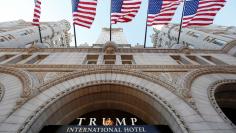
(225, 96)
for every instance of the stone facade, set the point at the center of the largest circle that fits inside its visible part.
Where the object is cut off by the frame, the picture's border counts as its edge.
(207, 37)
(173, 87)
(117, 36)
(21, 34)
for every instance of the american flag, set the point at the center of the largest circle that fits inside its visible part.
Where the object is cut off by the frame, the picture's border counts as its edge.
(201, 12)
(124, 10)
(160, 12)
(84, 12)
(37, 12)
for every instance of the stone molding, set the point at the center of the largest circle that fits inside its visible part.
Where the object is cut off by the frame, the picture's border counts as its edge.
(171, 110)
(147, 68)
(109, 69)
(119, 50)
(2, 90)
(24, 78)
(211, 94)
(33, 48)
(110, 48)
(229, 46)
(102, 71)
(189, 77)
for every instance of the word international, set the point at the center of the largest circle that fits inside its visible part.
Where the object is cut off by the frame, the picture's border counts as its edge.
(107, 129)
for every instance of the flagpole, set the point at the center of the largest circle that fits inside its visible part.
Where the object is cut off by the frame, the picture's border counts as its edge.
(40, 34)
(73, 4)
(180, 26)
(110, 19)
(75, 36)
(145, 37)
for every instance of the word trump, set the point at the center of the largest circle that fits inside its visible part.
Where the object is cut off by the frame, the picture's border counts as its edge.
(108, 121)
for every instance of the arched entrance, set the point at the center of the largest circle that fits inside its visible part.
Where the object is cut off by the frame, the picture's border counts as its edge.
(105, 97)
(62, 100)
(108, 97)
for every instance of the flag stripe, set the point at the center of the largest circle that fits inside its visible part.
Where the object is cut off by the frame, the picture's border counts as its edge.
(37, 13)
(161, 12)
(204, 13)
(84, 12)
(124, 10)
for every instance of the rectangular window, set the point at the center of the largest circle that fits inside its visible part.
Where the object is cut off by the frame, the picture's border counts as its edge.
(37, 59)
(91, 59)
(18, 59)
(109, 62)
(9, 37)
(197, 59)
(208, 39)
(127, 59)
(127, 62)
(219, 42)
(214, 60)
(5, 57)
(180, 60)
(109, 59)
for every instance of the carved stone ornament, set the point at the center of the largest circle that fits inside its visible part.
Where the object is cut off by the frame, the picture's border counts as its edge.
(25, 79)
(109, 48)
(185, 50)
(32, 48)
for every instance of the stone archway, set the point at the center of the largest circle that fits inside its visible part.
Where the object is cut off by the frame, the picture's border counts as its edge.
(108, 96)
(154, 93)
(201, 92)
(15, 86)
(222, 94)
(97, 95)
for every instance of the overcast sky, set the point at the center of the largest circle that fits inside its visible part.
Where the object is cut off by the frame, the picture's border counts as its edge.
(54, 10)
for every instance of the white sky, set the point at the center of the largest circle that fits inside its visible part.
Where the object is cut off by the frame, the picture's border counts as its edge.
(53, 10)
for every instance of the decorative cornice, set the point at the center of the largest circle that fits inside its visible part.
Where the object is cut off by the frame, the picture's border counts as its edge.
(120, 50)
(211, 94)
(144, 68)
